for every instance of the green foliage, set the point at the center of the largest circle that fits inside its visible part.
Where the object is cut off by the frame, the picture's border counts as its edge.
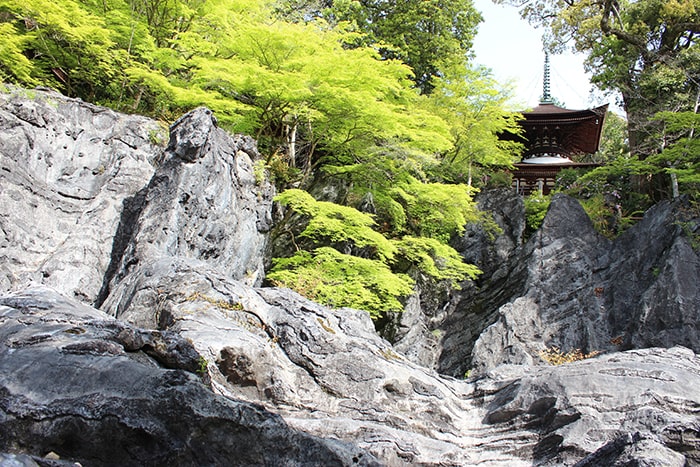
(203, 366)
(436, 210)
(375, 282)
(681, 156)
(608, 193)
(427, 35)
(472, 102)
(500, 179)
(439, 261)
(602, 214)
(536, 206)
(339, 280)
(613, 141)
(260, 172)
(14, 65)
(334, 224)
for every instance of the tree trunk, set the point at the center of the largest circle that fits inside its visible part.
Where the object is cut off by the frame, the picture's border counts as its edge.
(292, 143)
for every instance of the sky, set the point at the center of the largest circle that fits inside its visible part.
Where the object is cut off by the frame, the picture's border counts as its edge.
(512, 49)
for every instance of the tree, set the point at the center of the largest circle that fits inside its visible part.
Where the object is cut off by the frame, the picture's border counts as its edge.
(680, 157)
(645, 49)
(62, 45)
(342, 261)
(613, 141)
(427, 35)
(475, 107)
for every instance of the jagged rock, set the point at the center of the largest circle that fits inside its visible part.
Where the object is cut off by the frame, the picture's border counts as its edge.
(485, 247)
(326, 371)
(476, 306)
(652, 287)
(633, 406)
(327, 374)
(585, 292)
(68, 387)
(67, 169)
(86, 386)
(438, 327)
(203, 202)
(629, 449)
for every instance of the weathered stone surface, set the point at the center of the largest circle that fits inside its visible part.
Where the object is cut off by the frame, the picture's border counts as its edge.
(573, 410)
(186, 248)
(326, 371)
(585, 292)
(476, 306)
(66, 168)
(328, 375)
(652, 290)
(438, 327)
(69, 387)
(203, 202)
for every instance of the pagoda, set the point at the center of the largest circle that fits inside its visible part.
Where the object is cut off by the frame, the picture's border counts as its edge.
(552, 135)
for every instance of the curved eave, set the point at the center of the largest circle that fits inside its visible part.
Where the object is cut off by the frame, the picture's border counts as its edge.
(578, 131)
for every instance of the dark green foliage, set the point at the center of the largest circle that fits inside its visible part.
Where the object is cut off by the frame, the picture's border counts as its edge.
(377, 281)
(536, 207)
(681, 155)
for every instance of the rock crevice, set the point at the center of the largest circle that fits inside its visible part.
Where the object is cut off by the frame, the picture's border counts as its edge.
(190, 362)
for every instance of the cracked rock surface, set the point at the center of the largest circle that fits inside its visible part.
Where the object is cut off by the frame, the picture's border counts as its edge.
(188, 361)
(67, 170)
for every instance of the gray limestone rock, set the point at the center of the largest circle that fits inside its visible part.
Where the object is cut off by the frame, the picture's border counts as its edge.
(583, 291)
(326, 373)
(203, 202)
(626, 408)
(68, 386)
(66, 169)
(438, 326)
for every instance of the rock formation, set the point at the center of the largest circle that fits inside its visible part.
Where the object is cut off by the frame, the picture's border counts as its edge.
(77, 383)
(68, 171)
(585, 292)
(189, 362)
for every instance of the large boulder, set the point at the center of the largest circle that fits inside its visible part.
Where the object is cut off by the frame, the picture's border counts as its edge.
(76, 383)
(69, 170)
(581, 291)
(204, 202)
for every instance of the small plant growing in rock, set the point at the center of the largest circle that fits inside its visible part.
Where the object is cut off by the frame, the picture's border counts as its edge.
(260, 172)
(203, 365)
(555, 356)
(536, 206)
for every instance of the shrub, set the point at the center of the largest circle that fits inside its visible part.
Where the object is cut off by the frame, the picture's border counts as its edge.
(437, 260)
(339, 280)
(536, 206)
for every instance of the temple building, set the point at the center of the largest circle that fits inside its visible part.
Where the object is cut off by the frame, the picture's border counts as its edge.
(552, 135)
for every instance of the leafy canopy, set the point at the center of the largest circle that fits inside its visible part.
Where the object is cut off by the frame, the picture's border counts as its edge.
(378, 94)
(347, 263)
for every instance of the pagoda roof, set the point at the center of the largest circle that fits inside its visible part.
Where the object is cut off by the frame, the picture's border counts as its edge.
(550, 129)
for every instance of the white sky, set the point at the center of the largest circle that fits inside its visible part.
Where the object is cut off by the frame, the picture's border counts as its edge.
(512, 49)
